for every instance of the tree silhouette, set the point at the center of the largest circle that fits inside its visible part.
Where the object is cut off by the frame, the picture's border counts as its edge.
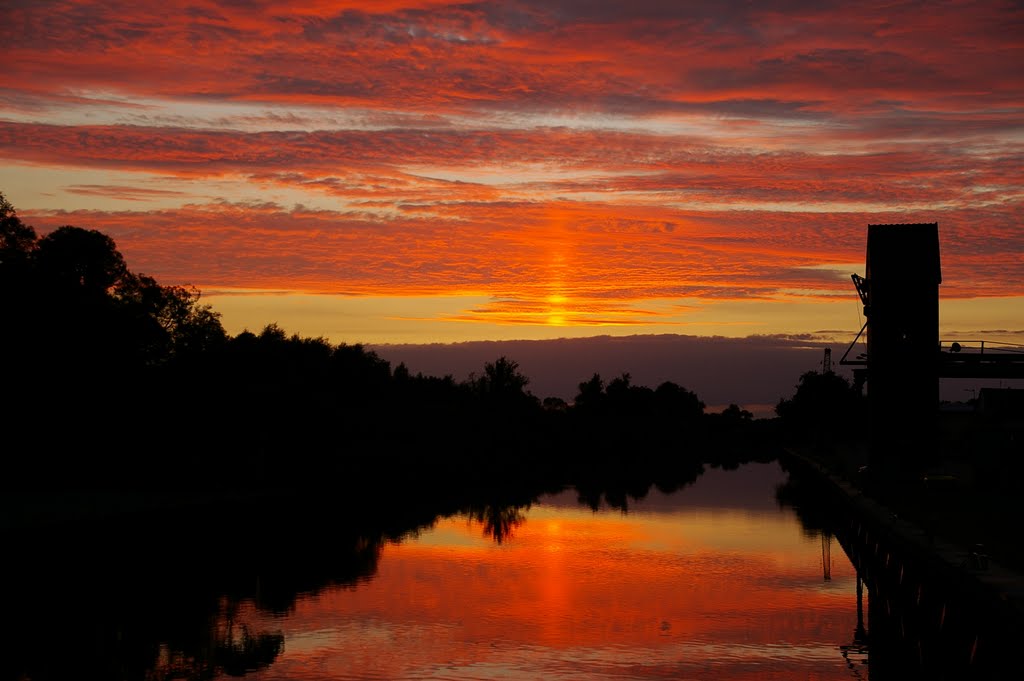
(822, 408)
(502, 379)
(168, 321)
(17, 240)
(82, 262)
(499, 521)
(502, 388)
(591, 392)
(17, 288)
(89, 339)
(675, 401)
(734, 414)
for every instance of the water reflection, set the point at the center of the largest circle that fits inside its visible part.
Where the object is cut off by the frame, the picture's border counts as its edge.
(720, 584)
(702, 575)
(499, 522)
(856, 652)
(151, 601)
(233, 650)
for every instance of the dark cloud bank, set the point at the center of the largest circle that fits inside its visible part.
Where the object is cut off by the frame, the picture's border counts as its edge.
(754, 372)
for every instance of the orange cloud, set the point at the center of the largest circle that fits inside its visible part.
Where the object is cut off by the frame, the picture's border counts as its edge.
(578, 164)
(555, 264)
(522, 54)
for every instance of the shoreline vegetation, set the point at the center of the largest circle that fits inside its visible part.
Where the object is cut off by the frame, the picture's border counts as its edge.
(123, 395)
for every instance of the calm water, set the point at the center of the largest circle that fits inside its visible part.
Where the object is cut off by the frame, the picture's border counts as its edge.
(715, 581)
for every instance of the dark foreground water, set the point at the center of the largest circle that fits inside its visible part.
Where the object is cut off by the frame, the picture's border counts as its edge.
(713, 581)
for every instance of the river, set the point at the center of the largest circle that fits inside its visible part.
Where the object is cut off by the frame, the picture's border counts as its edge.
(714, 580)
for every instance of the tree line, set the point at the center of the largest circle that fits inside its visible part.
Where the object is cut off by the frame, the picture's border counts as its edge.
(112, 378)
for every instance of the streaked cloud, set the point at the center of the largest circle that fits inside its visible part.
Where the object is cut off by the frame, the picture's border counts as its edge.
(560, 164)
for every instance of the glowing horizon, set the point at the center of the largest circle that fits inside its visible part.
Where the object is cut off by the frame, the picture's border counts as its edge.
(438, 172)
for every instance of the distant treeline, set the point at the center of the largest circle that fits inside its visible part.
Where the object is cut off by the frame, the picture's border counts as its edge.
(114, 380)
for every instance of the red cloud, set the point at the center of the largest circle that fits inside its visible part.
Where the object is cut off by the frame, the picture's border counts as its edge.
(452, 56)
(597, 155)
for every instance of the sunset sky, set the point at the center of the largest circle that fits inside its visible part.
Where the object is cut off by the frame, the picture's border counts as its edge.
(410, 171)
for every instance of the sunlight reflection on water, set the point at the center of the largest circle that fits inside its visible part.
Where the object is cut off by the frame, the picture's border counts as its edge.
(712, 582)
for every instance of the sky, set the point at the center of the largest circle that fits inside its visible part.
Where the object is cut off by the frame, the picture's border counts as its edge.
(408, 172)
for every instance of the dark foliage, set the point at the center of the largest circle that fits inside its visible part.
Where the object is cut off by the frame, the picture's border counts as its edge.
(825, 409)
(115, 380)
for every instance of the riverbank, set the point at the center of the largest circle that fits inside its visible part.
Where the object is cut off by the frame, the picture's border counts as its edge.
(949, 501)
(915, 528)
